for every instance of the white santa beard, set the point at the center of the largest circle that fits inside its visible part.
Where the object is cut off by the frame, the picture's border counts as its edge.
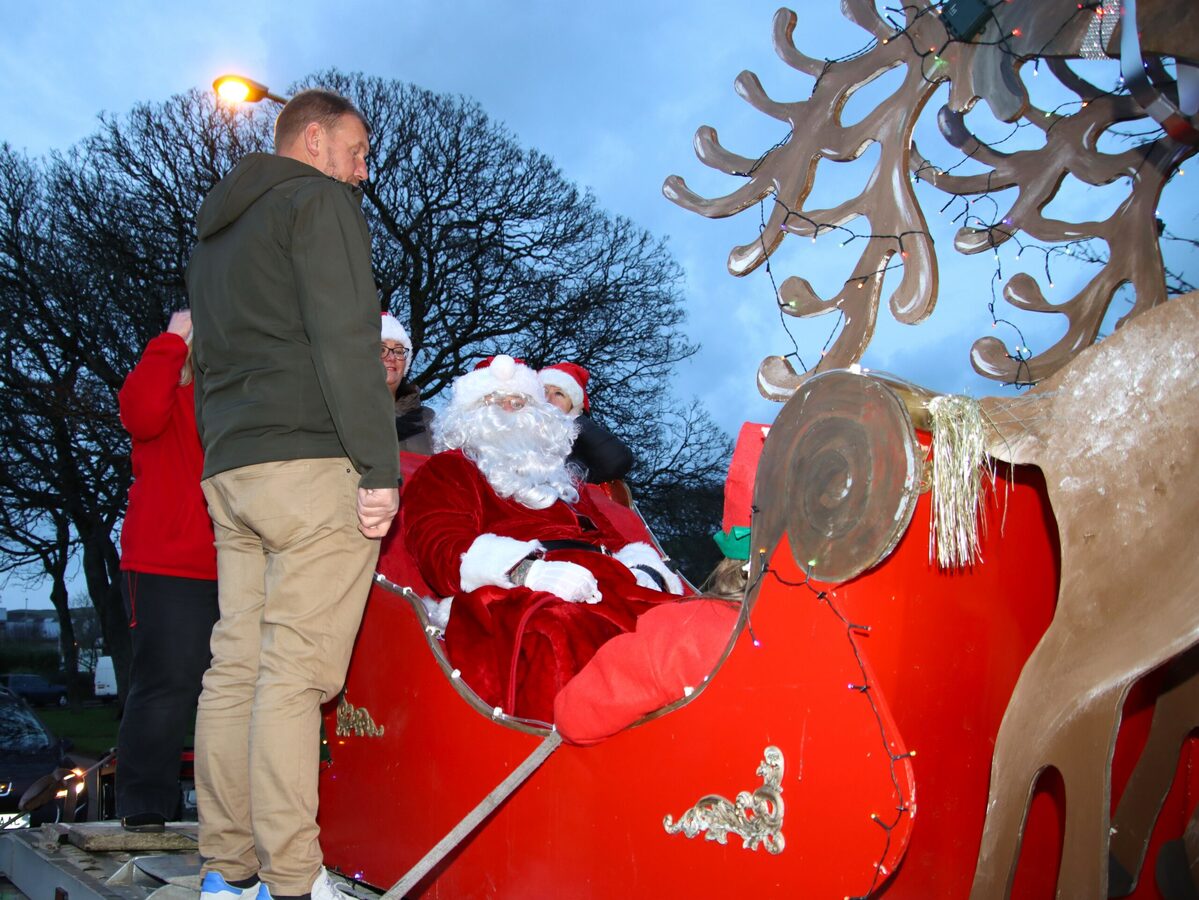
(522, 454)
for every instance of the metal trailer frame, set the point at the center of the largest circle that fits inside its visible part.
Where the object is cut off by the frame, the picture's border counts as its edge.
(66, 872)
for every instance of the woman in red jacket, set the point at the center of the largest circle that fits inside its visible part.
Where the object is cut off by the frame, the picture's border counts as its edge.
(168, 578)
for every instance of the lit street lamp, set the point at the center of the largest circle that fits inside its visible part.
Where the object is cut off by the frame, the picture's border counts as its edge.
(239, 89)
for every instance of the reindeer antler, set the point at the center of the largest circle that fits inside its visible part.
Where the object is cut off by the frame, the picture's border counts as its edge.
(988, 67)
(897, 225)
(1069, 149)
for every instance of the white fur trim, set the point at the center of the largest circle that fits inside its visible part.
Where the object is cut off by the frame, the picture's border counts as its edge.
(640, 553)
(568, 385)
(438, 611)
(392, 330)
(504, 376)
(490, 558)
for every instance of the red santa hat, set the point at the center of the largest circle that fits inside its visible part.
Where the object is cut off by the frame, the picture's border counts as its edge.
(571, 380)
(496, 375)
(392, 330)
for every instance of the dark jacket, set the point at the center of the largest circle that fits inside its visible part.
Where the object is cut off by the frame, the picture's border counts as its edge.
(413, 421)
(286, 320)
(599, 453)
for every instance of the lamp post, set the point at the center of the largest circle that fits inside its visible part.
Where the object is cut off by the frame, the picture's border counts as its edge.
(239, 89)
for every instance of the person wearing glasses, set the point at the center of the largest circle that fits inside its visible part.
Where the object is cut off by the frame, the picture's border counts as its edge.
(413, 421)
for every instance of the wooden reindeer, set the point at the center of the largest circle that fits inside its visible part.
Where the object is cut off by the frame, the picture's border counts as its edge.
(1113, 427)
(1116, 434)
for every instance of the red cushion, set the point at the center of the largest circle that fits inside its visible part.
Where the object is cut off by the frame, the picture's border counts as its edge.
(674, 647)
(739, 485)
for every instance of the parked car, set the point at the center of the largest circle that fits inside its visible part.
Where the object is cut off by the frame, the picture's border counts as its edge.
(35, 688)
(105, 680)
(28, 751)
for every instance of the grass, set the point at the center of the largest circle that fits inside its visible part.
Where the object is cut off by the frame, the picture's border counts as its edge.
(92, 729)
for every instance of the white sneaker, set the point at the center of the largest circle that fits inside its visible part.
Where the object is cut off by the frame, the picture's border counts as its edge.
(324, 888)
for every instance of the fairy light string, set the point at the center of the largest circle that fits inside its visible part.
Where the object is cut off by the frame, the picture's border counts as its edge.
(816, 228)
(927, 171)
(864, 687)
(778, 300)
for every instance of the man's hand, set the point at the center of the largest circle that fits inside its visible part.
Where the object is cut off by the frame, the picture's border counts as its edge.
(376, 508)
(181, 323)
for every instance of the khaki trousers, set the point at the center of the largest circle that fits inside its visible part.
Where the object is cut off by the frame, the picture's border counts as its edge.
(293, 573)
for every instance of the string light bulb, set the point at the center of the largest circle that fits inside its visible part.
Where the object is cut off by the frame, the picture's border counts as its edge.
(903, 807)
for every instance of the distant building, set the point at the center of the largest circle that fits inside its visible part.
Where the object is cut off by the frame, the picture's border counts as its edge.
(30, 625)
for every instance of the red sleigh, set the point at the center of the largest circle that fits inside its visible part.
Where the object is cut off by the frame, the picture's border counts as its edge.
(842, 748)
(1018, 724)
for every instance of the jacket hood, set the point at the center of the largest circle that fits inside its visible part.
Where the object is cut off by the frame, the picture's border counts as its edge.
(252, 177)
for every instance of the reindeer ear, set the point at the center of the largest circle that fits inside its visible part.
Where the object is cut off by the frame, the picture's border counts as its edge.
(843, 452)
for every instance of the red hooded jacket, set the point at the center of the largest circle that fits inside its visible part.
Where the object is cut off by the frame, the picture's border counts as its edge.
(167, 530)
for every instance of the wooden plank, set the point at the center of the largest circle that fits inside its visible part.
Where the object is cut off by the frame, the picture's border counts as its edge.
(100, 836)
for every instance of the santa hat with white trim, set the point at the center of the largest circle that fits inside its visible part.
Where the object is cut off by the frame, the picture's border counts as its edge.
(497, 375)
(392, 330)
(571, 380)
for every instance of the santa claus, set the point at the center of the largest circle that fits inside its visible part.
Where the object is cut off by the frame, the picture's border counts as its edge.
(538, 576)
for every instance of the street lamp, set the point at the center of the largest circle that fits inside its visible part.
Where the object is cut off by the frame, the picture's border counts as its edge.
(239, 89)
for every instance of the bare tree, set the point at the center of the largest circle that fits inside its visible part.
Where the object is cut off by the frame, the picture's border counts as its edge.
(93, 249)
(679, 482)
(482, 246)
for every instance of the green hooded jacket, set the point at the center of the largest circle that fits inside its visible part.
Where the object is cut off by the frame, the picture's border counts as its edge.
(286, 324)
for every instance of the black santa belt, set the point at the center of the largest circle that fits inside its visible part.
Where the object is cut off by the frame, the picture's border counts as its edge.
(571, 544)
(568, 544)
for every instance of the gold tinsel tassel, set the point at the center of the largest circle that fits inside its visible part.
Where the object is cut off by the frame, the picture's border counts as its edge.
(959, 463)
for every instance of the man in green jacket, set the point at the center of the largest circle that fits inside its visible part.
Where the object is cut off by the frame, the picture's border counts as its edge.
(300, 474)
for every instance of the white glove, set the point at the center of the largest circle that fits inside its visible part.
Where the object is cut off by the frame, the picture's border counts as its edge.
(490, 558)
(640, 556)
(567, 580)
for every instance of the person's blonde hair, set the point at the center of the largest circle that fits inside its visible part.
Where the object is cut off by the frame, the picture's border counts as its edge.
(728, 580)
(188, 371)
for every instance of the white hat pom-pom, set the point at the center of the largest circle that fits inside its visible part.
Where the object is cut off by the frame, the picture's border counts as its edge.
(503, 367)
(500, 374)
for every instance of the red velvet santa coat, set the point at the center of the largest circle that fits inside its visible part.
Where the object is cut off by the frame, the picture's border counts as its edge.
(447, 504)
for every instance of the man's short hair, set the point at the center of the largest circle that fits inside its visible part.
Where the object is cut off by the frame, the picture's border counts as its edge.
(313, 105)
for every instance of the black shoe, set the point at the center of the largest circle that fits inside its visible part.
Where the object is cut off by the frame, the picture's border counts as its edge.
(144, 822)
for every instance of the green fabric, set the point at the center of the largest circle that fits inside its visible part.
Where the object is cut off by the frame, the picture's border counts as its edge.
(733, 543)
(286, 318)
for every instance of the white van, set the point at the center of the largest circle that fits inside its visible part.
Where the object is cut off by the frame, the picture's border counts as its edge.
(105, 679)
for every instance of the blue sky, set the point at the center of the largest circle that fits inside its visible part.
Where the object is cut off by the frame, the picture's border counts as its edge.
(612, 91)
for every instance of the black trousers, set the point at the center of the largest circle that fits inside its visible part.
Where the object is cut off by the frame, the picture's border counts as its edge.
(170, 623)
